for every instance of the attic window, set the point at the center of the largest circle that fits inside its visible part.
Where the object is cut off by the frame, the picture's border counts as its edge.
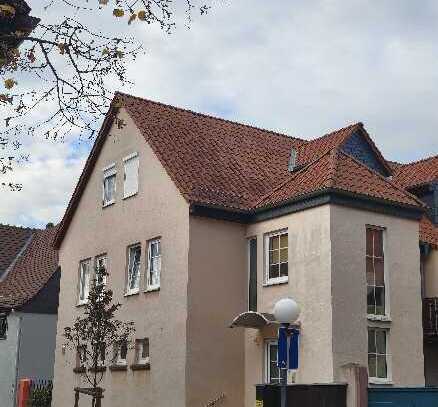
(109, 185)
(3, 326)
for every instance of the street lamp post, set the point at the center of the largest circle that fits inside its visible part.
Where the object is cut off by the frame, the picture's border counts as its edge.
(286, 312)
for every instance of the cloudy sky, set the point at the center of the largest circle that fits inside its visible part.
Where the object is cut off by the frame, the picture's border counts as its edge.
(300, 67)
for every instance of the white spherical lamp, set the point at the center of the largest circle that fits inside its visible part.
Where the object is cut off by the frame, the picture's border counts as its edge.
(286, 311)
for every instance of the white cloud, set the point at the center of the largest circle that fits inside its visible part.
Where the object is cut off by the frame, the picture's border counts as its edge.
(302, 67)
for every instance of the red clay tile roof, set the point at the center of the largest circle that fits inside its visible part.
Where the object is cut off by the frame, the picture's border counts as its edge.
(211, 160)
(417, 173)
(228, 165)
(336, 170)
(31, 270)
(12, 239)
(428, 232)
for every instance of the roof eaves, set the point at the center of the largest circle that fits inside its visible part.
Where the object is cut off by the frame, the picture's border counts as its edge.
(392, 183)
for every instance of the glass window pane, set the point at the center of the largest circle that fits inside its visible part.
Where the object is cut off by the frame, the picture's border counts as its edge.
(273, 242)
(380, 300)
(283, 255)
(379, 268)
(381, 341)
(370, 271)
(371, 341)
(381, 367)
(274, 271)
(378, 243)
(283, 269)
(369, 242)
(274, 257)
(371, 300)
(283, 240)
(123, 350)
(372, 365)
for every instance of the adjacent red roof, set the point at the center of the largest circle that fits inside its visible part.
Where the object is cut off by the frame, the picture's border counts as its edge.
(35, 262)
(223, 164)
(429, 232)
(417, 173)
(12, 239)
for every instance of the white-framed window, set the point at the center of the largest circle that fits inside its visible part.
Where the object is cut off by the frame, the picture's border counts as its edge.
(277, 257)
(130, 178)
(375, 271)
(142, 351)
(272, 372)
(109, 185)
(133, 278)
(84, 281)
(121, 353)
(153, 273)
(378, 355)
(102, 264)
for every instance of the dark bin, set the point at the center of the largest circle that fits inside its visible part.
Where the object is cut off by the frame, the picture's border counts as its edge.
(303, 395)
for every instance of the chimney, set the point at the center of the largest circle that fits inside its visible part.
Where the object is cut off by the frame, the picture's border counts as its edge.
(292, 160)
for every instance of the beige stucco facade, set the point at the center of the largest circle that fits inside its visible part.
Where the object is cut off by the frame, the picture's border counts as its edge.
(157, 210)
(195, 356)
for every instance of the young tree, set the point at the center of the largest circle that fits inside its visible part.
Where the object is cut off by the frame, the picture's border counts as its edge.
(76, 67)
(97, 335)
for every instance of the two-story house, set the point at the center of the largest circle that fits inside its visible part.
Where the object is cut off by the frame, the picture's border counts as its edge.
(29, 287)
(199, 219)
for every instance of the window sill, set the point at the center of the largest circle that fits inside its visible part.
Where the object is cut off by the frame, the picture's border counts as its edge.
(118, 368)
(130, 196)
(99, 369)
(141, 366)
(80, 370)
(107, 204)
(377, 381)
(81, 304)
(152, 289)
(379, 318)
(131, 293)
(276, 282)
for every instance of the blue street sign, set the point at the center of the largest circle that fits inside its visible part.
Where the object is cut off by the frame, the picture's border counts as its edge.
(288, 349)
(282, 348)
(294, 349)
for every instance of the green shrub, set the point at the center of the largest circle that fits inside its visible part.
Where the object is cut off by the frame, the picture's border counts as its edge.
(41, 396)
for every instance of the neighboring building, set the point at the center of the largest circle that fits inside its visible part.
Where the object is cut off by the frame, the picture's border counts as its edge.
(199, 219)
(29, 288)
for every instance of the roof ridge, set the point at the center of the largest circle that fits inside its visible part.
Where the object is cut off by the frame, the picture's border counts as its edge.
(422, 160)
(18, 227)
(275, 133)
(350, 126)
(295, 174)
(389, 181)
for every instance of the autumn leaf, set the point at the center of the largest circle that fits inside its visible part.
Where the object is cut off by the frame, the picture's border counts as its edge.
(118, 12)
(141, 15)
(7, 10)
(61, 47)
(132, 18)
(5, 98)
(10, 83)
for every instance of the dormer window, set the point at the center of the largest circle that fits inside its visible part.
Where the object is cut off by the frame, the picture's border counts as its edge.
(109, 185)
